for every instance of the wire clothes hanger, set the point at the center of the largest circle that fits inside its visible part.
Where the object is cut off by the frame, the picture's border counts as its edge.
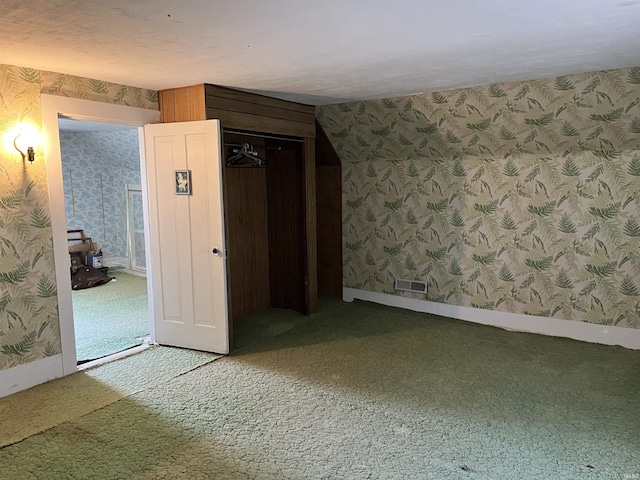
(247, 157)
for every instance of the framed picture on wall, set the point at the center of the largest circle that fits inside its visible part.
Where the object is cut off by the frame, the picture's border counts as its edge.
(183, 182)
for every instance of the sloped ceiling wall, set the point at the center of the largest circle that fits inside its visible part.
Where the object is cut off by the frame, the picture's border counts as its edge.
(521, 197)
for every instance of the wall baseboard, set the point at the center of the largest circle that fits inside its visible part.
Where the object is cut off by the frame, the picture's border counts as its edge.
(586, 332)
(28, 375)
(115, 262)
(138, 273)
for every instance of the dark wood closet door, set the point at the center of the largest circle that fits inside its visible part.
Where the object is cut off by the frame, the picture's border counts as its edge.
(285, 206)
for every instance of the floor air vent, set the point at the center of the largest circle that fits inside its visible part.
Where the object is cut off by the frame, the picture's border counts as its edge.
(411, 286)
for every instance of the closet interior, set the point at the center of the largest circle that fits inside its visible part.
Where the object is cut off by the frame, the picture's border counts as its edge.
(265, 217)
(270, 199)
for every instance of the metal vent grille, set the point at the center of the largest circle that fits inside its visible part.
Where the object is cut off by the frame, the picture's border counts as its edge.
(411, 286)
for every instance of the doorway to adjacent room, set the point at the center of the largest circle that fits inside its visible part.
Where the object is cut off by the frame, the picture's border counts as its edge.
(103, 208)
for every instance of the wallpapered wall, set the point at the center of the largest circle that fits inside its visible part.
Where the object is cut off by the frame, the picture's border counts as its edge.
(96, 167)
(29, 324)
(521, 197)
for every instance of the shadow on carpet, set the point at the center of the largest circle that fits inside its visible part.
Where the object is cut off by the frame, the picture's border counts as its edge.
(59, 401)
(258, 327)
(480, 400)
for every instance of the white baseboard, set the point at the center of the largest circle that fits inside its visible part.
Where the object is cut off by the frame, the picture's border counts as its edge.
(115, 262)
(28, 375)
(139, 273)
(586, 332)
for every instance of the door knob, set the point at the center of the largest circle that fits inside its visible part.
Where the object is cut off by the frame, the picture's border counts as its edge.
(215, 251)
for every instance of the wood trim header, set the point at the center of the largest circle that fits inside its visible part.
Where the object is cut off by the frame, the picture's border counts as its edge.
(250, 112)
(182, 104)
(258, 113)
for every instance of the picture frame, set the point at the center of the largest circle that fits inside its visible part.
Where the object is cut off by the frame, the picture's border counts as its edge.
(182, 182)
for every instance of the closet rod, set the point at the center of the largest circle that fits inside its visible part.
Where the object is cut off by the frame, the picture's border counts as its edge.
(258, 146)
(301, 140)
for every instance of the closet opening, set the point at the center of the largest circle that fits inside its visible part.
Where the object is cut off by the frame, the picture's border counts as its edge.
(263, 181)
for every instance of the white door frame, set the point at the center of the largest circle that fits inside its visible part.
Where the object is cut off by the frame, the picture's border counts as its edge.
(52, 106)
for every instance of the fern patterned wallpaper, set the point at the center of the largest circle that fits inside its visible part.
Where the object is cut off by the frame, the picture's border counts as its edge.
(29, 323)
(97, 166)
(521, 197)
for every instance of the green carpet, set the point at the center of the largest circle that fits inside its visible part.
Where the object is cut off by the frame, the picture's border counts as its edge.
(365, 392)
(71, 397)
(257, 327)
(111, 317)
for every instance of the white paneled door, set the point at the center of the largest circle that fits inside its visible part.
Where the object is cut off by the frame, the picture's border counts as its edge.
(188, 264)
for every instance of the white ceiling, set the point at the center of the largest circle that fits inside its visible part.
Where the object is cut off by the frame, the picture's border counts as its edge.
(322, 51)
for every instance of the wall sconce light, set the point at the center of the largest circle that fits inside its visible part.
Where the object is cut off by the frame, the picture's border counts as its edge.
(24, 138)
(30, 155)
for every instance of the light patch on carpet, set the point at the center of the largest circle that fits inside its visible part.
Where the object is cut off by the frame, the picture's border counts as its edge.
(111, 317)
(58, 401)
